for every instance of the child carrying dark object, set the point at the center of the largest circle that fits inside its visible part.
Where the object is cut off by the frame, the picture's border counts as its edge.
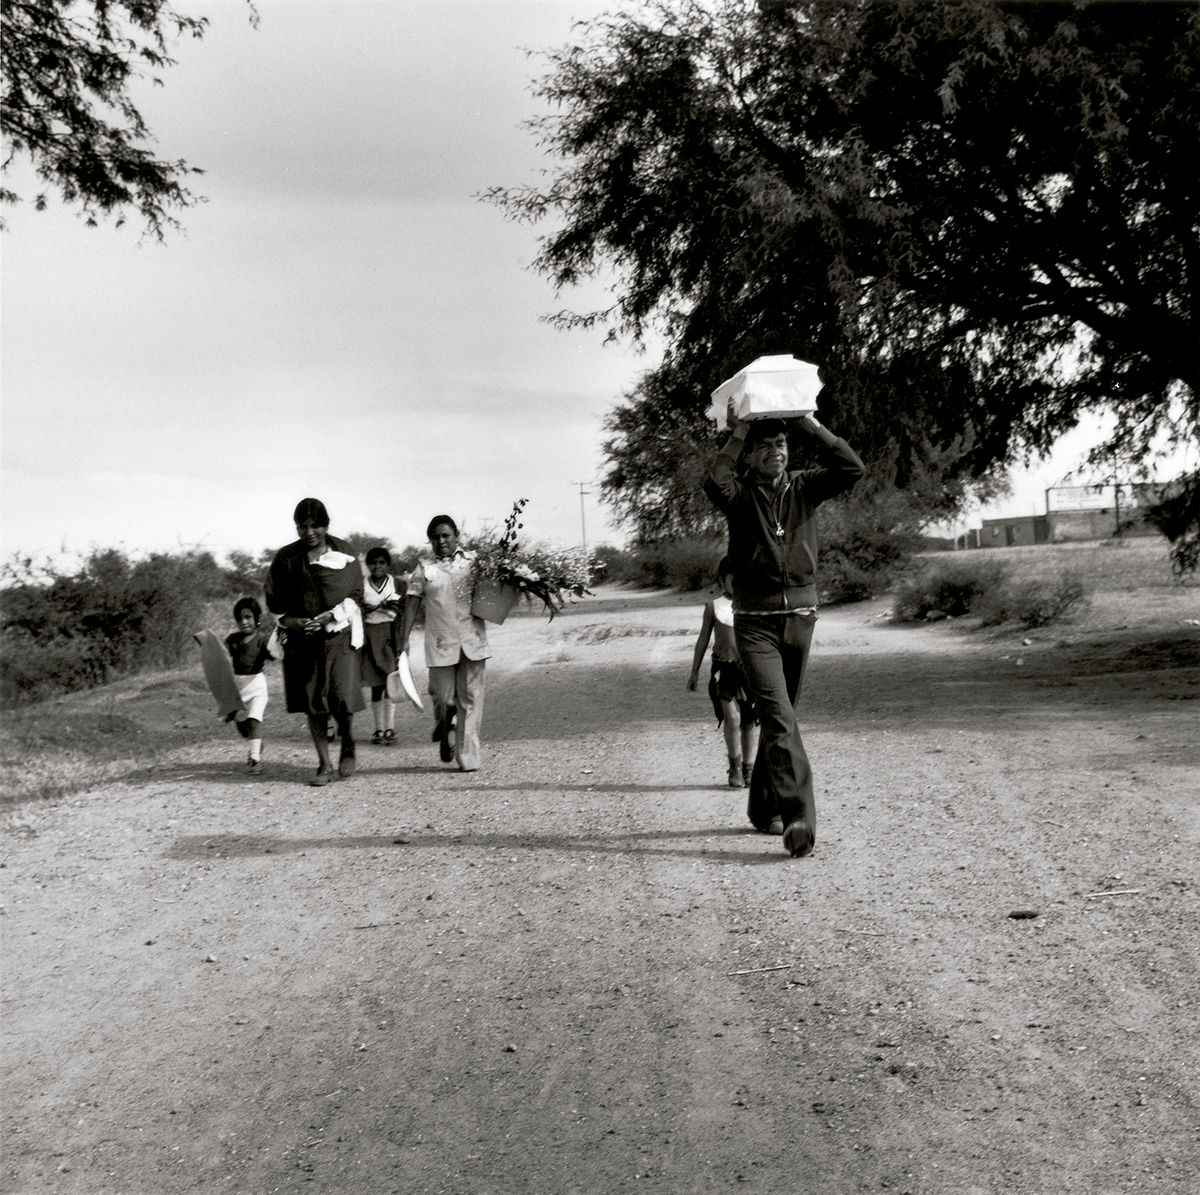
(250, 647)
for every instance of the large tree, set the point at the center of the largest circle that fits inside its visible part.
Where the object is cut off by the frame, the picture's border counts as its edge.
(70, 70)
(979, 217)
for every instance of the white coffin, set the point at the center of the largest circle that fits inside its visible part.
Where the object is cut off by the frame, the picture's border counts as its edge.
(768, 388)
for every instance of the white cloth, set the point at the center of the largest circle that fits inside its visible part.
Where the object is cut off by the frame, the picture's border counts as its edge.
(347, 614)
(373, 600)
(253, 692)
(450, 631)
(723, 610)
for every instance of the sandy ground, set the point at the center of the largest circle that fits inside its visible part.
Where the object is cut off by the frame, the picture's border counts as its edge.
(578, 970)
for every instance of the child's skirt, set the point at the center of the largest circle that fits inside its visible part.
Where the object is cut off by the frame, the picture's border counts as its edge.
(727, 683)
(378, 656)
(253, 692)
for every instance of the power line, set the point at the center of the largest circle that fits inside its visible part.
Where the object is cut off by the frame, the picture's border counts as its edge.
(582, 516)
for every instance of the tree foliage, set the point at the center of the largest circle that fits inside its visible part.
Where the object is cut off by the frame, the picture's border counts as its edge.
(111, 617)
(979, 217)
(69, 71)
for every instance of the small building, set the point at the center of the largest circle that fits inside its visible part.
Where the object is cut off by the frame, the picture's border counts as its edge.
(1016, 532)
(1084, 512)
(1074, 513)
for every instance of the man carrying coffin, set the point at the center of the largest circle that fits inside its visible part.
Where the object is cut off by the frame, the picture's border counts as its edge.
(771, 513)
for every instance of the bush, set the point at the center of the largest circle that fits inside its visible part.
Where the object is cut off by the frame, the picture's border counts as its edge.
(866, 541)
(689, 564)
(613, 565)
(949, 587)
(1033, 602)
(113, 617)
(985, 587)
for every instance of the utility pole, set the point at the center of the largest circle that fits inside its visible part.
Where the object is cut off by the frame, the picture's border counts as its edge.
(582, 517)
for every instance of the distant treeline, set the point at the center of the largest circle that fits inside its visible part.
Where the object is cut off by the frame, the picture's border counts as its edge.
(113, 616)
(110, 618)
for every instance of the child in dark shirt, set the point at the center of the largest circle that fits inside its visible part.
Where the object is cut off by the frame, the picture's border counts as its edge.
(250, 647)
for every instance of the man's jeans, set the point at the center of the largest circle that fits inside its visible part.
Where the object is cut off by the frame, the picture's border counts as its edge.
(774, 651)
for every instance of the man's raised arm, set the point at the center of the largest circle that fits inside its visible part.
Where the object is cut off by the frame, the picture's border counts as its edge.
(722, 483)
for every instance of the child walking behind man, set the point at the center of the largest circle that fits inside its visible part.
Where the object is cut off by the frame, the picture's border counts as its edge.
(250, 647)
(726, 686)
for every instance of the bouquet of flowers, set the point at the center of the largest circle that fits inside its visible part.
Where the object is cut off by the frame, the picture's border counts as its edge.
(550, 574)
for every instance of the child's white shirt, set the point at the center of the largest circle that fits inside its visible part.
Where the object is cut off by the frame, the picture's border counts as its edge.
(723, 610)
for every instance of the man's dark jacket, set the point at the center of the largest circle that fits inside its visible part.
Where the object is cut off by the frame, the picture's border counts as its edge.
(773, 530)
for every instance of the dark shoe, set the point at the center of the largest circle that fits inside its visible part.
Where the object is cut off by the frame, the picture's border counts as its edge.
(443, 725)
(446, 750)
(254, 767)
(735, 772)
(346, 760)
(389, 738)
(377, 739)
(747, 771)
(323, 777)
(798, 839)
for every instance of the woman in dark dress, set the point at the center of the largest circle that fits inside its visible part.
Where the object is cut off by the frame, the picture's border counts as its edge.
(315, 585)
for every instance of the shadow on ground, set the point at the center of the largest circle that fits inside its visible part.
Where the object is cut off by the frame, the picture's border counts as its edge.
(657, 842)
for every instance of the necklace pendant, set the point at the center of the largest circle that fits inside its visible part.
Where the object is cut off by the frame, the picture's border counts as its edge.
(778, 532)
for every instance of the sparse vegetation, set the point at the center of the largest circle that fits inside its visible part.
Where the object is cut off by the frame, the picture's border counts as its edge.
(993, 589)
(866, 541)
(1035, 602)
(689, 564)
(948, 588)
(112, 617)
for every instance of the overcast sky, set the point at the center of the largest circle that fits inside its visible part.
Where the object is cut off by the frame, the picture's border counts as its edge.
(342, 318)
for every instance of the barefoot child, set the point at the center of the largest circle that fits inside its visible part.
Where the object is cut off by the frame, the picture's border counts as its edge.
(381, 605)
(726, 686)
(250, 647)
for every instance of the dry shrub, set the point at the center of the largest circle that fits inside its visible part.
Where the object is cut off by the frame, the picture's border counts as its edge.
(986, 588)
(113, 617)
(1033, 602)
(949, 588)
(688, 564)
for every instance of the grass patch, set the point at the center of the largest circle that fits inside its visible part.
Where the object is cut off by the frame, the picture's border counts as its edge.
(88, 740)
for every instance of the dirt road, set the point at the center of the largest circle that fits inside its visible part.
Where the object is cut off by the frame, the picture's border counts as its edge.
(578, 970)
